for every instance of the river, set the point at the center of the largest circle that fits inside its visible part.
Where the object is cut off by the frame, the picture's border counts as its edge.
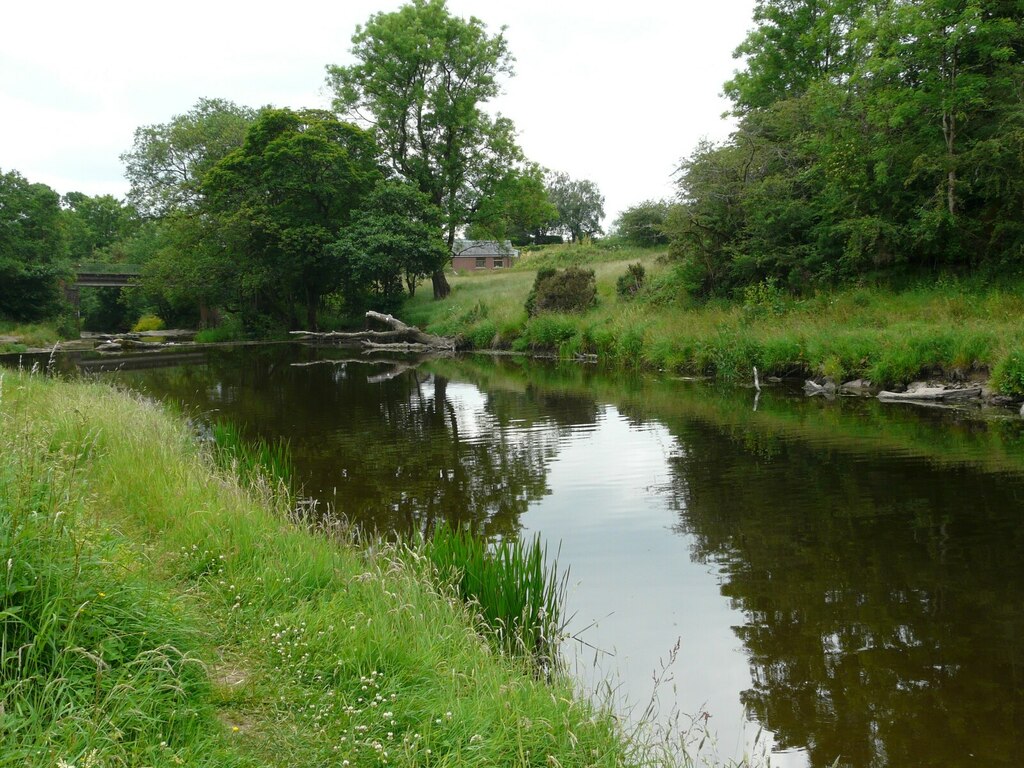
(847, 575)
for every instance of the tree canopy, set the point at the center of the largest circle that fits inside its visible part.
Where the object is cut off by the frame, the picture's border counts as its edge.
(420, 80)
(32, 248)
(167, 161)
(283, 198)
(580, 205)
(873, 138)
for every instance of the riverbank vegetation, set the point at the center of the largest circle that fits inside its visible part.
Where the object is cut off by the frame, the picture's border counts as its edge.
(950, 327)
(155, 611)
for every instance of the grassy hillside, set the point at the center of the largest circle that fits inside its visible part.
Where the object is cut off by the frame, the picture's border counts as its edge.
(949, 327)
(156, 612)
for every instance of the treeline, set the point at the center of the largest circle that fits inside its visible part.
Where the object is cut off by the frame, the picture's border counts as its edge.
(874, 139)
(272, 216)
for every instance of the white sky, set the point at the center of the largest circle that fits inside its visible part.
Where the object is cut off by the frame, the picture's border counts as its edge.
(617, 96)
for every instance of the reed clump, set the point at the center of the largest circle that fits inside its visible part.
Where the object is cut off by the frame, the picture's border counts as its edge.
(510, 582)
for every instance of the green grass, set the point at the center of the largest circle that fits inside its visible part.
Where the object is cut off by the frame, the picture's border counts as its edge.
(27, 335)
(892, 336)
(156, 611)
(517, 593)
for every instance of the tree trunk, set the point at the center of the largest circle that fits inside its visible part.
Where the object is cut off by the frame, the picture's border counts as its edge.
(440, 282)
(312, 302)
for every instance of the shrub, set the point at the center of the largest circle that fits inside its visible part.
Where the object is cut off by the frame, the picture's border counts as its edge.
(1008, 374)
(571, 290)
(148, 323)
(631, 283)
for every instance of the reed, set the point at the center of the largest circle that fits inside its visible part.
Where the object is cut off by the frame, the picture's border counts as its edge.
(517, 593)
(259, 462)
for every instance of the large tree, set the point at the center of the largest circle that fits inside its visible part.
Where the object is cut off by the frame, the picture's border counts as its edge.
(420, 80)
(283, 198)
(580, 205)
(394, 238)
(167, 161)
(32, 248)
(95, 224)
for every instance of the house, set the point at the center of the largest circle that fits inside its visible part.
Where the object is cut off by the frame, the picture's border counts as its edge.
(469, 255)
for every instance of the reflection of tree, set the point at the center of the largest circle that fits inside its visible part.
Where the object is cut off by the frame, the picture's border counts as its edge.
(882, 602)
(385, 443)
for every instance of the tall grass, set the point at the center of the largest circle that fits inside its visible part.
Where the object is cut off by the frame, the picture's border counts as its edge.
(256, 462)
(517, 593)
(157, 612)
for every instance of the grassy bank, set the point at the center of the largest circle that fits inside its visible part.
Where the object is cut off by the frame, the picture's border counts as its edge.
(155, 612)
(948, 327)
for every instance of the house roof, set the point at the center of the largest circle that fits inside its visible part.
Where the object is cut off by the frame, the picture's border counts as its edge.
(484, 248)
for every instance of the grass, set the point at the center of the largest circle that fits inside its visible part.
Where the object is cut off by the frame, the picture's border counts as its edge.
(27, 335)
(949, 328)
(518, 595)
(156, 611)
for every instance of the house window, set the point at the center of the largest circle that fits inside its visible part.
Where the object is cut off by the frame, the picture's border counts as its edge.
(499, 263)
(481, 262)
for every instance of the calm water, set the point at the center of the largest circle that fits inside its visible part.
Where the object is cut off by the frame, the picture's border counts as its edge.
(848, 575)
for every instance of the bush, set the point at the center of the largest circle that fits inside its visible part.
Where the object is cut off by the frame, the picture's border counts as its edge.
(1008, 374)
(571, 290)
(148, 323)
(631, 283)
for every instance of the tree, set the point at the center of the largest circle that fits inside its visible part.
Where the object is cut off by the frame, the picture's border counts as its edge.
(643, 224)
(167, 161)
(95, 224)
(421, 79)
(580, 205)
(283, 198)
(394, 238)
(517, 208)
(32, 248)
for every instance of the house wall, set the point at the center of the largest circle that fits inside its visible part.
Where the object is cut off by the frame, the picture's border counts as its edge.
(470, 263)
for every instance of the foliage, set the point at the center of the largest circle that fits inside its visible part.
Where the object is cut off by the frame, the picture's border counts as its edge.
(149, 323)
(283, 198)
(519, 596)
(632, 282)
(569, 290)
(579, 203)
(32, 249)
(872, 140)
(422, 77)
(94, 225)
(1008, 374)
(167, 161)
(517, 208)
(643, 224)
(255, 462)
(394, 238)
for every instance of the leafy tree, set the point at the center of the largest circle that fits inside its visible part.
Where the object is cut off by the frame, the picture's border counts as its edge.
(580, 205)
(873, 138)
(95, 224)
(394, 238)
(516, 208)
(421, 79)
(166, 163)
(643, 224)
(32, 248)
(283, 198)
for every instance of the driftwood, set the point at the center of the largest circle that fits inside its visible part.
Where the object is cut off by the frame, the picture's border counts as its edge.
(401, 337)
(932, 394)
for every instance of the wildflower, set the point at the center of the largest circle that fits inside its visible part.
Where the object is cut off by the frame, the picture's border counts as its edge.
(103, 594)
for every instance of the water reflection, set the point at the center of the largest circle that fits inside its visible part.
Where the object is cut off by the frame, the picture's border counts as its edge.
(848, 572)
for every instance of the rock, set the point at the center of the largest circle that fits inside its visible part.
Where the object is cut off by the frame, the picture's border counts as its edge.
(813, 388)
(861, 387)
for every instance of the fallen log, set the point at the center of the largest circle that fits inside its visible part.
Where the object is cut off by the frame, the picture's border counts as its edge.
(932, 394)
(407, 338)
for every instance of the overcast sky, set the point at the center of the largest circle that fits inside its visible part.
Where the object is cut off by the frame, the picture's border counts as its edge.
(617, 96)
